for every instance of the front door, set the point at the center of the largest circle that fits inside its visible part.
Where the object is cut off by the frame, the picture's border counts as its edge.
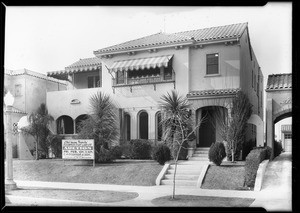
(207, 132)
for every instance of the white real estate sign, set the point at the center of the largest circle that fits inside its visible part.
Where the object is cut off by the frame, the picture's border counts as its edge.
(78, 149)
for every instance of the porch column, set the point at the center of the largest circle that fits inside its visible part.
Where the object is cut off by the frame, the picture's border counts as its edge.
(125, 77)
(74, 126)
(133, 125)
(270, 126)
(151, 125)
(192, 144)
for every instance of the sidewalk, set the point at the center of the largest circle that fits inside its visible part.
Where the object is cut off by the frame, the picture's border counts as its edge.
(275, 193)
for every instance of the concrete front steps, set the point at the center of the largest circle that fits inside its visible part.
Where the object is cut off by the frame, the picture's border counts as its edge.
(188, 172)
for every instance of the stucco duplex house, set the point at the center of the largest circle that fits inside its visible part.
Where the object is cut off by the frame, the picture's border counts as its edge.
(208, 66)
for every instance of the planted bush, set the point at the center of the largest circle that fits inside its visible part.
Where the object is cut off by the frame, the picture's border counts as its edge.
(104, 156)
(217, 153)
(254, 158)
(247, 147)
(268, 152)
(116, 151)
(56, 145)
(140, 149)
(161, 154)
(277, 148)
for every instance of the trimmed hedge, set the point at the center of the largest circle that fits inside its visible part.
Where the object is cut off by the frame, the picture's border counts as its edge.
(277, 148)
(104, 156)
(247, 147)
(140, 149)
(217, 153)
(116, 151)
(254, 158)
(161, 154)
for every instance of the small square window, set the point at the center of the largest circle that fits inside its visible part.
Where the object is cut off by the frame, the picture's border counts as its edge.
(18, 90)
(212, 64)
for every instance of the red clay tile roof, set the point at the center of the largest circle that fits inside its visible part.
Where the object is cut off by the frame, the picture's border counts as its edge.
(212, 92)
(279, 81)
(82, 65)
(162, 39)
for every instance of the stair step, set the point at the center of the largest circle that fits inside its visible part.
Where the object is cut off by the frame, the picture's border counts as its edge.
(198, 159)
(184, 172)
(179, 182)
(187, 166)
(181, 177)
(201, 151)
(203, 148)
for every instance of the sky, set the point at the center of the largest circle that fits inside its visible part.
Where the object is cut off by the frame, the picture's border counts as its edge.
(44, 39)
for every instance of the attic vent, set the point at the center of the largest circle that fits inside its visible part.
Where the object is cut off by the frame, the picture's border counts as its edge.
(75, 101)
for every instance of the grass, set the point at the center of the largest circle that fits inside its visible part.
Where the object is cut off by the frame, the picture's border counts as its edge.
(202, 201)
(122, 172)
(229, 176)
(78, 195)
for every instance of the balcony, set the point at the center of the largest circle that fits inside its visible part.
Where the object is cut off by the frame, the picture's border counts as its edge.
(143, 80)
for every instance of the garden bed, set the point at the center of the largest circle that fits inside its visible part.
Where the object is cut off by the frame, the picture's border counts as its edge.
(121, 172)
(227, 176)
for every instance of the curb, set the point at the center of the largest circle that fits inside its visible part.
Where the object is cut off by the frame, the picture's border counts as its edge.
(260, 175)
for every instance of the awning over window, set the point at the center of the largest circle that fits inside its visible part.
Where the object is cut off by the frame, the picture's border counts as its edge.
(141, 63)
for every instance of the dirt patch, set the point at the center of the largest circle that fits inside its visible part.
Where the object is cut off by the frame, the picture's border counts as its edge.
(202, 201)
(78, 195)
(139, 173)
(227, 176)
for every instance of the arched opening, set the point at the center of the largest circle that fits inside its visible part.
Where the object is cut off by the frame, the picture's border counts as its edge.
(209, 130)
(78, 120)
(65, 125)
(143, 125)
(158, 129)
(127, 126)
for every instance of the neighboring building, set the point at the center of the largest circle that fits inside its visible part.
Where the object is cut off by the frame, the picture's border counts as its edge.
(278, 104)
(29, 89)
(286, 136)
(209, 66)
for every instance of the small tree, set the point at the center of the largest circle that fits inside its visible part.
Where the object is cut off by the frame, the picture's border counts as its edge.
(101, 125)
(233, 130)
(177, 122)
(39, 128)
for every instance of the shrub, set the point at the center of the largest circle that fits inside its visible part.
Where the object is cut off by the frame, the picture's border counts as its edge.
(42, 154)
(236, 153)
(254, 158)
(268, 152)
(217, 153)
(140, 149)
(183, 151)
(247, 147)
(277, 148)
(161, 154)
(116, 151)
(56, 145)
(104, 156)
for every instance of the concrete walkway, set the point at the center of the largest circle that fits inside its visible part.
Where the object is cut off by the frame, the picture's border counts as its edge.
(275, 193)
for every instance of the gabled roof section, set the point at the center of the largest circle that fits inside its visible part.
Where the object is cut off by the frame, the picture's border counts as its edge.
(279, 81)
(194, 36)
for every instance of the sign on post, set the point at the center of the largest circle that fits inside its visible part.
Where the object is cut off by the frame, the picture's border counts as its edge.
(78, 150)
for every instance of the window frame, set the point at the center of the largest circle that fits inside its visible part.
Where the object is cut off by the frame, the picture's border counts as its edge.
(213, 74)
(19, 93)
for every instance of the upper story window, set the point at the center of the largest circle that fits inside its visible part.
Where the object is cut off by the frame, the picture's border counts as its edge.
(257, 86)
(94, 81)
(212, 64)
(18, 90)
(120, 77)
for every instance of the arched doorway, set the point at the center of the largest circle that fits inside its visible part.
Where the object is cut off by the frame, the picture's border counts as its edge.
(158, 129)
(127, 126)
(65, 125)
(78, 121)
(210, 127)
(143, 125)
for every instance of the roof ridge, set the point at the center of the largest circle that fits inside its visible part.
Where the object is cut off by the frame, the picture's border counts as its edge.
(210, 27)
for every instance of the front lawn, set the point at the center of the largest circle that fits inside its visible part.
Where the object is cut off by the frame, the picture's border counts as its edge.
(202, 201)
(79, 195)
(122, 172)
(228, 176)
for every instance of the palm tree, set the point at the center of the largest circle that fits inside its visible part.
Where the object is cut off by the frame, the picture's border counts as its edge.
(101, 124)
(176, 119)
(39, 128)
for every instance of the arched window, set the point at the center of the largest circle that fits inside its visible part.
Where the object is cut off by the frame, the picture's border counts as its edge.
(127, 126)
(65, 125)
(143, 125)
(158, 126)
(78, 121)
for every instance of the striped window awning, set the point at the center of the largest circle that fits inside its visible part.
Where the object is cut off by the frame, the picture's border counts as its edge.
(141, 63)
